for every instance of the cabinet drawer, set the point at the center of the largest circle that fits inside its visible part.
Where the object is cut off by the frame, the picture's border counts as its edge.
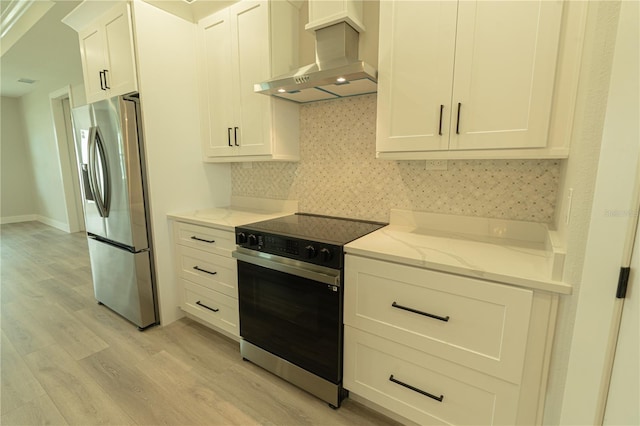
(215, 308)
(213, 271)
(471, 322)
(468, 397)
(208, 239)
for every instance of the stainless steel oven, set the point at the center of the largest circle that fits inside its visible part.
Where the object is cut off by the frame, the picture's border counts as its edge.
(290, 291)
(293, 310)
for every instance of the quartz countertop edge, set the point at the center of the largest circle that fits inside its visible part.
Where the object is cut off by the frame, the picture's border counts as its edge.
(521, 263)
(226, 218)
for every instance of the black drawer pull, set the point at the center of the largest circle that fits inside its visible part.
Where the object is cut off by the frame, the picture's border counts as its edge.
(203, 240)
(420, 391)
(415, 311)
(197, 268)
(206, 307)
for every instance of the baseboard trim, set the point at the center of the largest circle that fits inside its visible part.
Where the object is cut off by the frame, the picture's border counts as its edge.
(17, 219)
(36, 218)
(55, 223)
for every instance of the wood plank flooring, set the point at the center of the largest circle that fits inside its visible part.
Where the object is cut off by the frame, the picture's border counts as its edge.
(67, 360)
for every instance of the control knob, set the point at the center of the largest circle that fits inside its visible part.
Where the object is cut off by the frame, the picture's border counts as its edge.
(252, 240)
(325, 254)
(241, 238)
(310, 251)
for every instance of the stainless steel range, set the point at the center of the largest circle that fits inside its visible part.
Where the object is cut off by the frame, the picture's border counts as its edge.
(290, 291)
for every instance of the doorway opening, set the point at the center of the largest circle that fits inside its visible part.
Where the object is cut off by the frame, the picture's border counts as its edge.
(61, 105)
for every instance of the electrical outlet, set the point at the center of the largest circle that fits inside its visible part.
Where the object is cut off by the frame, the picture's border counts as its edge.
(567, 217)
(436, 165)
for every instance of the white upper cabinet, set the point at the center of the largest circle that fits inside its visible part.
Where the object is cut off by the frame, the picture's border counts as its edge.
(505, 64)
(245, 44)
(217, 75)
(467, 79)
(415, 74)
(106, 49)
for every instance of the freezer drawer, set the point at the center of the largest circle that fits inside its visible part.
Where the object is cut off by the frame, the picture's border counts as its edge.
(122, 281)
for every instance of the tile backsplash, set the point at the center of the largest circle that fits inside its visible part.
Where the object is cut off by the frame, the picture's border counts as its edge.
(339, 175)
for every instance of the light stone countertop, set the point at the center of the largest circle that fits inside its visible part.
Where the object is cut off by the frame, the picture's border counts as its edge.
(516, 253)
(241, 212)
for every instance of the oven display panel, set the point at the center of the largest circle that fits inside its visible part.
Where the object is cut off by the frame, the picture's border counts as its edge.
(281, 245)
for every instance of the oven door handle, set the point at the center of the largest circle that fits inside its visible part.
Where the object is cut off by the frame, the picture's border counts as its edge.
(289, 266)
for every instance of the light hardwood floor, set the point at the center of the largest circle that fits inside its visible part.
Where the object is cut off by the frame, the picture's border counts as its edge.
(67, 360)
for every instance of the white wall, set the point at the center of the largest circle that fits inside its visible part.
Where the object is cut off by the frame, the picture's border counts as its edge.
(179, 180)
(58, 68)
(43, 149)
(579, 174)
(611, 219)
(17, 202)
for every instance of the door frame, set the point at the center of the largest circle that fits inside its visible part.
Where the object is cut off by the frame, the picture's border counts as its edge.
(63, 132)
(617, 397)
(614, 214)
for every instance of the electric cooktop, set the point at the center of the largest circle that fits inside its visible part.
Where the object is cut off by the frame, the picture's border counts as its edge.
(306, 237)
(323, 229)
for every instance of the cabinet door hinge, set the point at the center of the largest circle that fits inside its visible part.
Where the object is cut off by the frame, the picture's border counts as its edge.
(623, 280)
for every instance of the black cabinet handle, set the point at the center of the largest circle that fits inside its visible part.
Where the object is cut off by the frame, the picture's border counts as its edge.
(440, 125)
(413, 388)
(229, 135)
(197, 268)
(415, 311)
(206, 307)
(193, 237)
(102, 77)
(235, 136)
(106, 85)
(458, 121)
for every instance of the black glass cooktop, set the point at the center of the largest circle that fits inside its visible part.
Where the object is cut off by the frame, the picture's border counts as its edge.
(312, 227)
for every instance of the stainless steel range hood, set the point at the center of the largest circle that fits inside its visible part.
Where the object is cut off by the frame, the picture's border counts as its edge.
(337, 72)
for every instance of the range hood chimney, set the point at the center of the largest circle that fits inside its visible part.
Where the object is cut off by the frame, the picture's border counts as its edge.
(336, 73)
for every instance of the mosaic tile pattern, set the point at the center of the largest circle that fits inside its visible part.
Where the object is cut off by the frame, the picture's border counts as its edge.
(339, 175)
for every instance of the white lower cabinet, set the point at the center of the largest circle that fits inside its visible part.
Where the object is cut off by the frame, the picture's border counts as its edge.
(214, 308)
(207, 276)
(439, 348)
(217, 273)
(424, 388)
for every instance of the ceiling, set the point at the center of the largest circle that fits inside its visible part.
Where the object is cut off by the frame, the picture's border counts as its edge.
(39, 52)
(38, 46)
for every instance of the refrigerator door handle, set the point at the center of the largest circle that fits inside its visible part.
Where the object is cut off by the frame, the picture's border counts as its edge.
(106, 173)
(97, 153)
(92, 171)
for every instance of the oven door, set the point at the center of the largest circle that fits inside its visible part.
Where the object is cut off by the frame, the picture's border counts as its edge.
(293, 310)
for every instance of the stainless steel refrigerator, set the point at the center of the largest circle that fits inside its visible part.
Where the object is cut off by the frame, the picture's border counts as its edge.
(110, 151)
